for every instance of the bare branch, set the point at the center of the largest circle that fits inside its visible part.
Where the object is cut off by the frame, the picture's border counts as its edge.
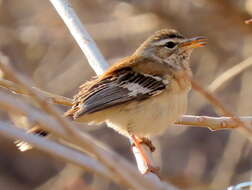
(241, 185)
(56, 149)
(53, 97)
(213, 123)
(81, 36)
(12, 87)
(47, 95)
(229, 74)
(220, 108)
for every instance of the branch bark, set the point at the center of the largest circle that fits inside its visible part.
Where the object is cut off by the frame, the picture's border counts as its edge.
(212, 123)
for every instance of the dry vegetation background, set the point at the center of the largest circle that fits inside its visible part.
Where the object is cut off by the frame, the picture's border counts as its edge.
(38, 44)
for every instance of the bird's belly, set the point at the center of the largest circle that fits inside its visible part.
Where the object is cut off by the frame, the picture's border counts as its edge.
(149, 117)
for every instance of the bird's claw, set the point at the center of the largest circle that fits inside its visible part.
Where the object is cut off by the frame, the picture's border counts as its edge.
(147, 142)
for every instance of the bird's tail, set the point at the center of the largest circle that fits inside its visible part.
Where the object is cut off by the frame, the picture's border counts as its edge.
(24, 146)
(36, 130)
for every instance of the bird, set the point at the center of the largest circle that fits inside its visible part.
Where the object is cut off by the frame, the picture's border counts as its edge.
(141, 95)
(144, 93)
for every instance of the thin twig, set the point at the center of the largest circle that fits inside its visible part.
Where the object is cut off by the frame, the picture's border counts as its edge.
(213, 123)
(220, 108)
(53, 97)
(81, 36)
(241, 186)
(47, 95)
(229, 74)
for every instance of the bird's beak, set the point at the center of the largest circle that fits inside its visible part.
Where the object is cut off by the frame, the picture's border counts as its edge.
(194, 42)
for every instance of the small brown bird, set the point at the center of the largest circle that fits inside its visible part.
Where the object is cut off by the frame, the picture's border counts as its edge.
(144, 93)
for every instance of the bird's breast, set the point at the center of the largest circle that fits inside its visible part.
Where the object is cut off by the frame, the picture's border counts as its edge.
(152, 116)
(181, 81)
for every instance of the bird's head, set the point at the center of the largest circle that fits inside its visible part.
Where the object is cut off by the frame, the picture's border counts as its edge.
(170, 47)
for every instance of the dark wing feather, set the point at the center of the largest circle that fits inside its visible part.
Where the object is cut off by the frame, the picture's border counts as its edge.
(123, 86)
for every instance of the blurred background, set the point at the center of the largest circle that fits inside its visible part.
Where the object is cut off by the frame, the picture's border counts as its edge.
(38, 44)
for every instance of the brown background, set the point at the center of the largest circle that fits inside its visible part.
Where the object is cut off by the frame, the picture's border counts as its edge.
(38, 44)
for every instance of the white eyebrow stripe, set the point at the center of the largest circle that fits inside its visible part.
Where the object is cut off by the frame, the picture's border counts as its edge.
(162, 42)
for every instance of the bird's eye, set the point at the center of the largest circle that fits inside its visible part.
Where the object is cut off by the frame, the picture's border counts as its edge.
(170, 45)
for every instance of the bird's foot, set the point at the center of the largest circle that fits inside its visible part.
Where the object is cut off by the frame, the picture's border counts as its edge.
(152, 169)
(147, 142)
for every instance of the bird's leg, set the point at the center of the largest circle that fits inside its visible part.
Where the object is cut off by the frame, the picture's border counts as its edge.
(147, 142)
(137, 142)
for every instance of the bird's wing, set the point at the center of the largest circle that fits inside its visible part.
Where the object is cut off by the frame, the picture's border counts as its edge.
(122, 86)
